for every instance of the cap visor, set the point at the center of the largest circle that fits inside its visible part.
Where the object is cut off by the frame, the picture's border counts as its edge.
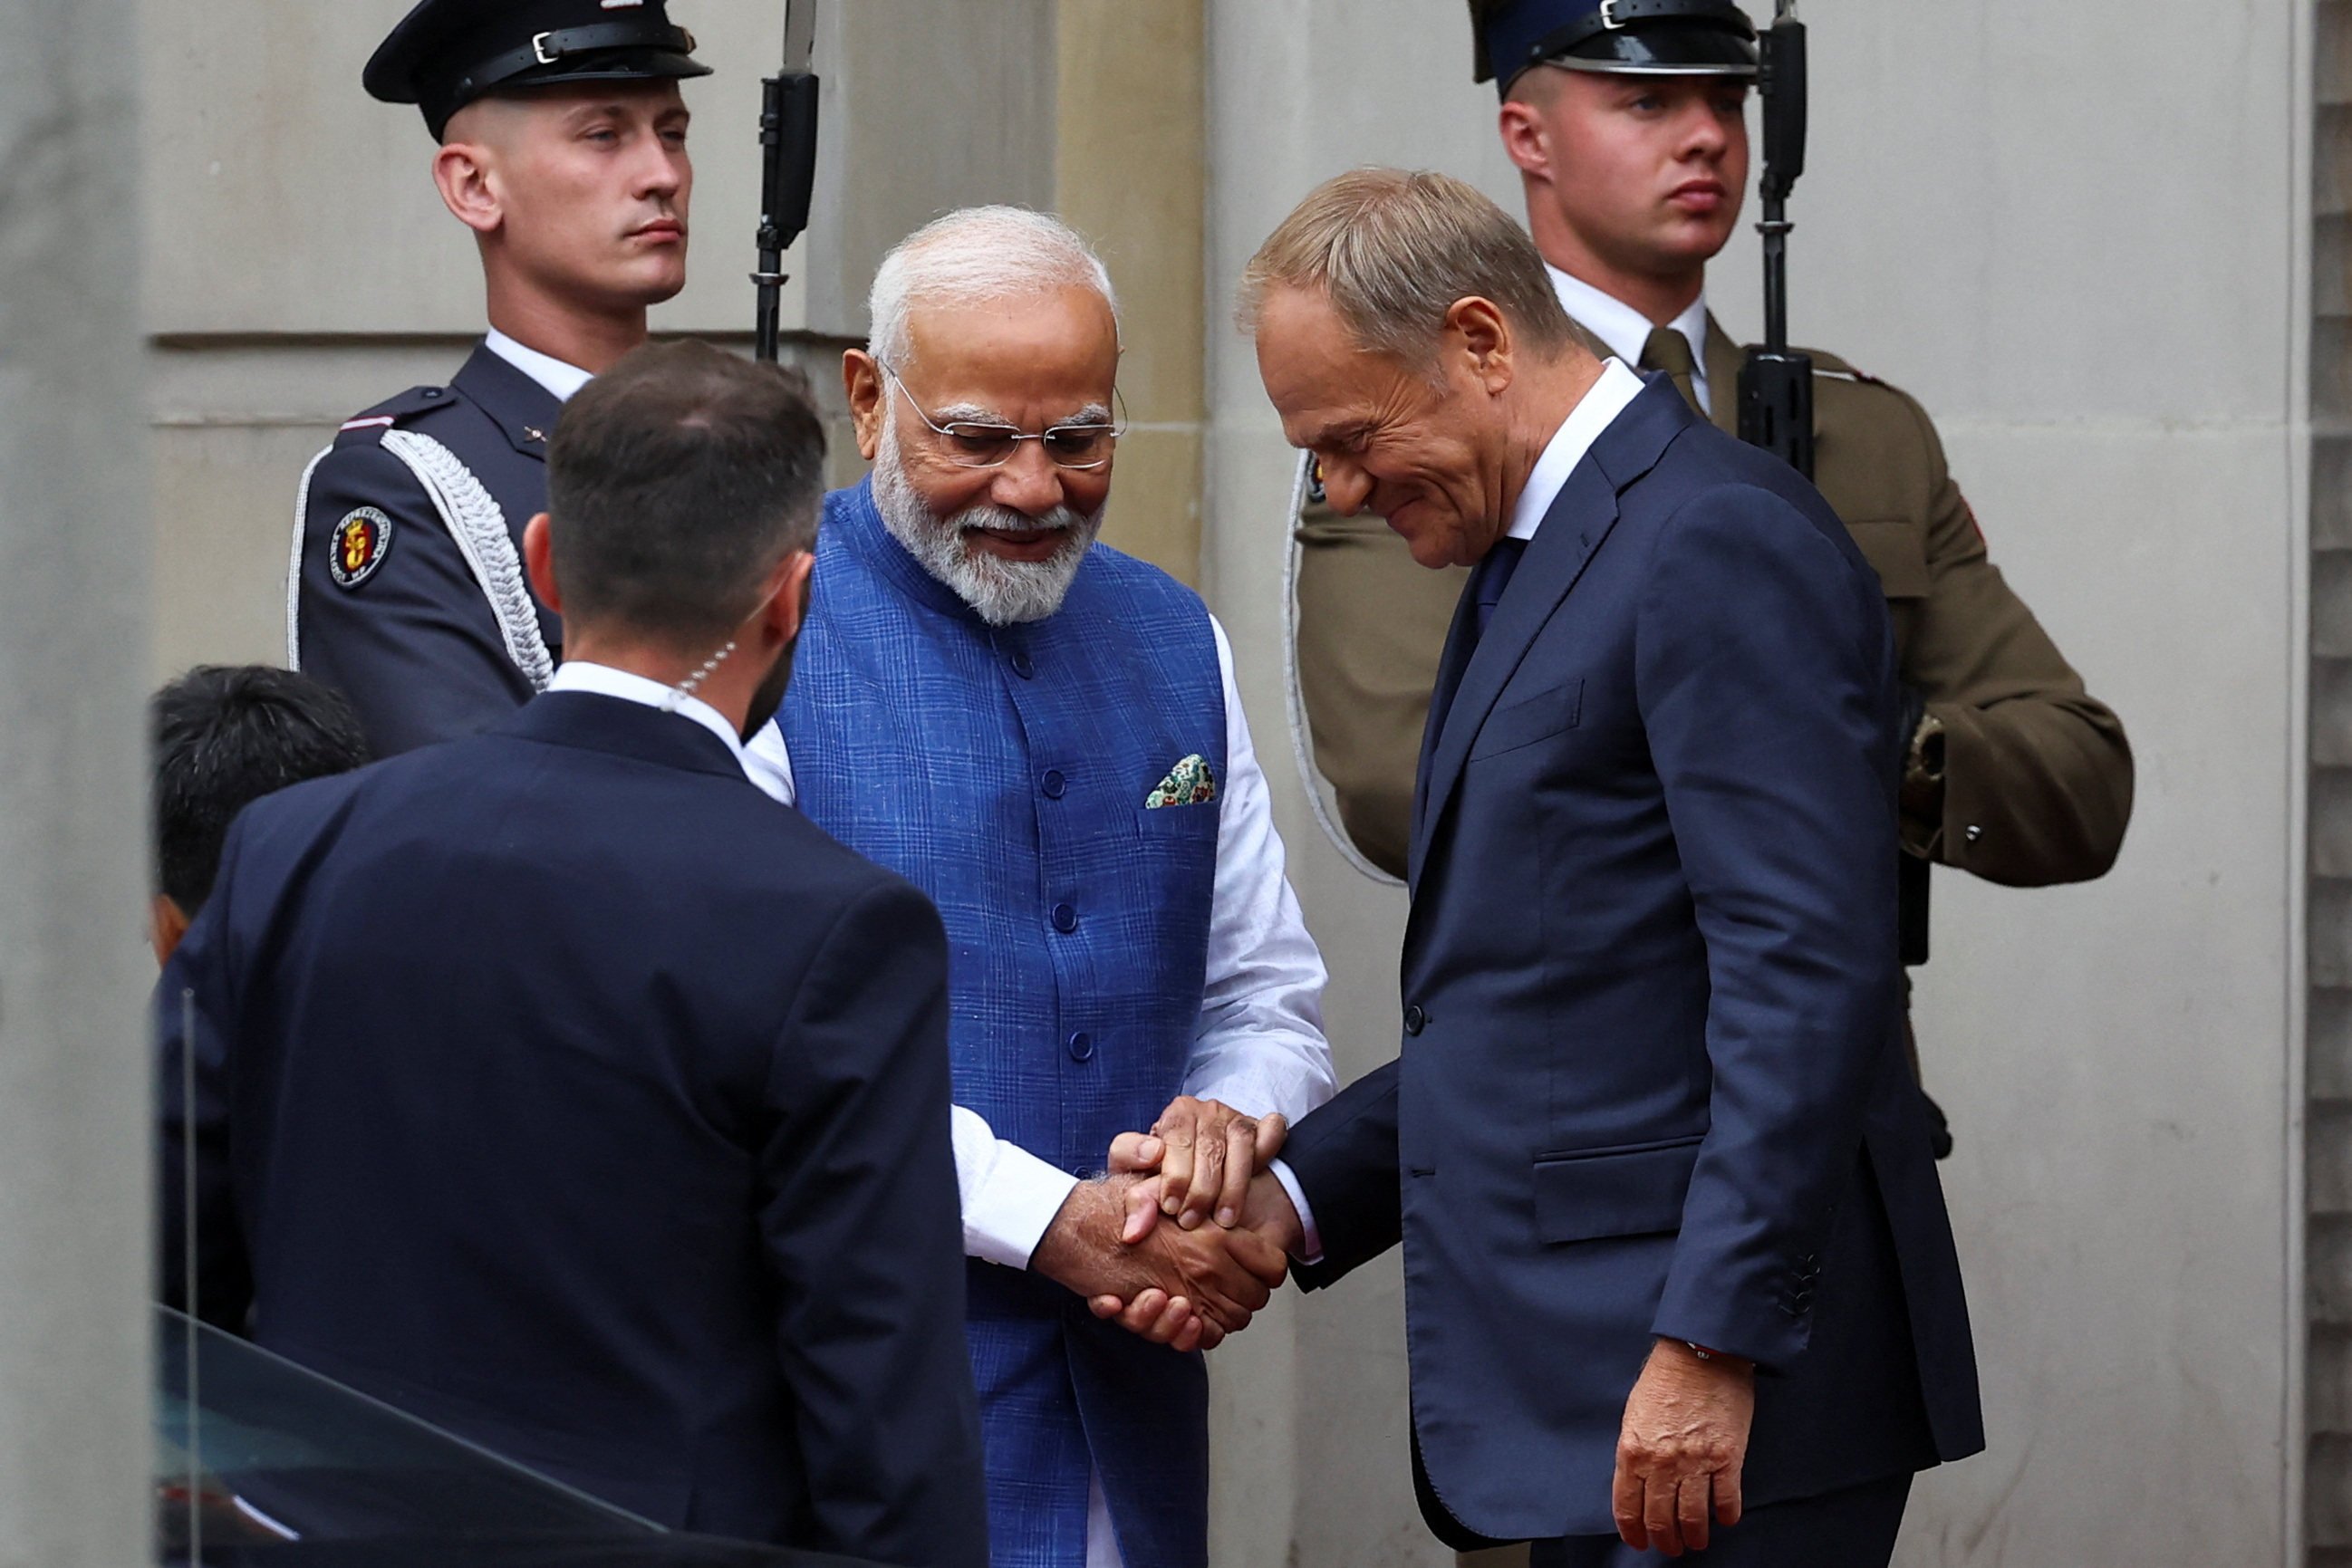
(1663, 51)
(611, 65)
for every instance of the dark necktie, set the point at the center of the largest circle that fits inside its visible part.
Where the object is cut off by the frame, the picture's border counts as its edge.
(1670, 351)
(1487, 581)
(1493, 576)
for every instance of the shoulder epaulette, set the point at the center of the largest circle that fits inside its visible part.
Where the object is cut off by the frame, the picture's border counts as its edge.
(1829, 366)
(396, 412)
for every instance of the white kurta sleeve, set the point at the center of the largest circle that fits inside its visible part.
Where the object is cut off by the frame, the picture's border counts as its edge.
(1010, 1195)
(1260, 1046)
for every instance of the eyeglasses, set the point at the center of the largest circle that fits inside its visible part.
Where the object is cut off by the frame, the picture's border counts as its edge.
(977, 443)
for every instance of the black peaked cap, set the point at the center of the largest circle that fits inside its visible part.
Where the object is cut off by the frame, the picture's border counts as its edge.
(445, 54)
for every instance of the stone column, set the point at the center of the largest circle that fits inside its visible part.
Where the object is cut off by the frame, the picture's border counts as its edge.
(1130, 138)
(74, 549)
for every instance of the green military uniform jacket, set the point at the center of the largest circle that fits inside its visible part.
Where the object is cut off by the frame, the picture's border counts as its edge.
(2036, 775)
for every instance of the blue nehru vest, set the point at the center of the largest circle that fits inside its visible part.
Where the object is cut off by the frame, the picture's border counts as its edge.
(1004, 770)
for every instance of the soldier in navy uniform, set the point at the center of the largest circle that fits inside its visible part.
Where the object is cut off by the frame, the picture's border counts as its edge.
(562, 147)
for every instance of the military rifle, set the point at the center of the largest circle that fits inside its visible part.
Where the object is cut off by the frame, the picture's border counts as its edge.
(1776, 385)
(788, 166)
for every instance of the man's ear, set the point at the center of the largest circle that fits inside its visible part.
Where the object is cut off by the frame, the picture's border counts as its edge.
(166, 923)
(1477, 330)
(787, 606)
(462, 171)
(538, 561)
(861, 378)
(1525, 141)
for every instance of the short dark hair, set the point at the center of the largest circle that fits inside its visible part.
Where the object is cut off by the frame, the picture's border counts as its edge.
(676, 481)
(224, 735)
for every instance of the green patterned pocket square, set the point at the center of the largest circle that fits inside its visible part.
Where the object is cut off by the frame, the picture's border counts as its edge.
(1189, 783)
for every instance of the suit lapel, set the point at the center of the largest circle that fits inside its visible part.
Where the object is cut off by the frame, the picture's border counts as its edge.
(1579, 518)
(1449, 667)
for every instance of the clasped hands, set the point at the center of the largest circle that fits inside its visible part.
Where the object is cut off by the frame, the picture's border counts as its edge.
(1187, 1236)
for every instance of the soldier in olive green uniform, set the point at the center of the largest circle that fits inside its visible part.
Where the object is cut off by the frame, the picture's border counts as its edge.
(1627, 123)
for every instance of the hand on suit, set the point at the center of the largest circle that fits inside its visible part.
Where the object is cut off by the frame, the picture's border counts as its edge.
(1186, 1288)
(1681, 1449)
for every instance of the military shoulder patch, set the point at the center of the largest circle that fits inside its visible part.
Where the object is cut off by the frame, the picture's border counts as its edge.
(358, 546)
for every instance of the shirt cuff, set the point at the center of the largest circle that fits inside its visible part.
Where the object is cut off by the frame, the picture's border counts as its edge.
(1310, 1247)
(1247, 1092)
(1010, 1195)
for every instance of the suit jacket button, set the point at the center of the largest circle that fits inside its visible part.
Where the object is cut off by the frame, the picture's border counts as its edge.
(1052, 784)
(1022, 666)
(1082, 1047)
(1415, 1020)
(1066, 919)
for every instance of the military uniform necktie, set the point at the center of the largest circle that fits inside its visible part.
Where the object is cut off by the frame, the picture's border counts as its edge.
(1670, 351)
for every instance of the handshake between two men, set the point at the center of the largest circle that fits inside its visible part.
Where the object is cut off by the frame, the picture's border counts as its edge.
(1229, 1231)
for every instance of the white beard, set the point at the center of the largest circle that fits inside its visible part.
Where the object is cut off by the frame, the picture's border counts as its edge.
(1000, 591)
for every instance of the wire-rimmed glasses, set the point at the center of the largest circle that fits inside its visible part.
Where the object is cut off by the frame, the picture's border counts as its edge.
(979, 443)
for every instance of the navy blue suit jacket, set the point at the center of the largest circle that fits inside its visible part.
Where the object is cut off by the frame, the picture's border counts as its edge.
(1653, 1080)
(414, 643)
(561, 1088)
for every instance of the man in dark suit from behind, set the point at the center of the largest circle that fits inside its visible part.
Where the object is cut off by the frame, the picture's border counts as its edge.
(1677, 1269)
(571, 1093)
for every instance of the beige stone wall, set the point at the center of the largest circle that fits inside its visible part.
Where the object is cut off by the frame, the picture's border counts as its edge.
(1128, 175)
(77, 1259)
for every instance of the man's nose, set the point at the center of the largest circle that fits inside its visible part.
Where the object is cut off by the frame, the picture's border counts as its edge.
(1704, 135)
(660, 169)
(1346, 486)
(1028, 482)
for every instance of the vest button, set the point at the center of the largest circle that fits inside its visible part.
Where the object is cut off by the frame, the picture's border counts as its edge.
(1066, 919)
(1082, 1047)
(1052, 784)
(1415, 1020)
(1021, 666)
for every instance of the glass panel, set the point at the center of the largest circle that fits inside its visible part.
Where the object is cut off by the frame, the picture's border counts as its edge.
(269, 1452)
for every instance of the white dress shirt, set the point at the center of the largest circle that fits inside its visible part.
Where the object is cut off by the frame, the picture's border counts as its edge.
(1259, 1046)
(579, 675)
(1595, 411)
(560, 379)
(1624, 329)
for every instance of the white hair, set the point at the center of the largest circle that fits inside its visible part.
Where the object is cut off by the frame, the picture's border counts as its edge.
(973, 254)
